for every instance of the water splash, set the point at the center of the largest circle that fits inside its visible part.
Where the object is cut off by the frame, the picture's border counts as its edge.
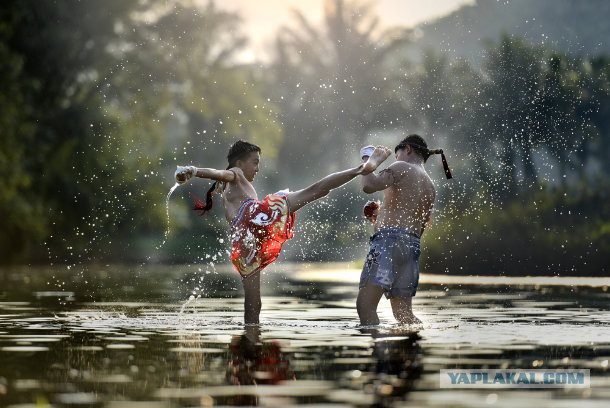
(185, 304)
(166, 234)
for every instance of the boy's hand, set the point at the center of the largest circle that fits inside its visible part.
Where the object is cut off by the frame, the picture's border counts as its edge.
(184, 173)
(371, 209)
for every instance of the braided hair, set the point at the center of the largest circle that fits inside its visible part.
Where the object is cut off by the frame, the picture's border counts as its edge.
(419, 145)
(238, 151)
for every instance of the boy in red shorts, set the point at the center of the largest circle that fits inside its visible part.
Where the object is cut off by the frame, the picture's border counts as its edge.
(259, 228)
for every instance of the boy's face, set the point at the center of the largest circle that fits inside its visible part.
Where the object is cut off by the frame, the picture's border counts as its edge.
(249, 165)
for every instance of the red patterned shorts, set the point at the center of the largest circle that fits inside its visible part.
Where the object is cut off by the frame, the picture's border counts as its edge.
(258, 232)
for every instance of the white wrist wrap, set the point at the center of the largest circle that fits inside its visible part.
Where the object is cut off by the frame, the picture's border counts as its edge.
(366, 151)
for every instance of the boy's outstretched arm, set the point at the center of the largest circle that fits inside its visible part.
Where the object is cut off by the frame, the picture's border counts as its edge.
(185, 173)
(219, 175)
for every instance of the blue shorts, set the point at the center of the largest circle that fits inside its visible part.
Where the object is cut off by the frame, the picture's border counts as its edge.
(393, 262)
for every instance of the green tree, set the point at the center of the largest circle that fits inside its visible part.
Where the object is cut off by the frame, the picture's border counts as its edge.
(332, 85)
(512, 94)
(101, 91)
(50, 48)
(22, 218)
(530, 102)
(595, 94)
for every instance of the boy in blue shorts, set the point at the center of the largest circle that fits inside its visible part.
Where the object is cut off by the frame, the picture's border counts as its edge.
(392, 264)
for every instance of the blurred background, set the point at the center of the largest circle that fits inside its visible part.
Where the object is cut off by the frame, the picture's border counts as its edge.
(99, 101)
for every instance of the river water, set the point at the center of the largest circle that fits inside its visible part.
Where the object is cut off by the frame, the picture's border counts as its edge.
(115, 336)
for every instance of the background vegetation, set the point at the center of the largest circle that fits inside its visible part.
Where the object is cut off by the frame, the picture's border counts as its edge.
(100, 100)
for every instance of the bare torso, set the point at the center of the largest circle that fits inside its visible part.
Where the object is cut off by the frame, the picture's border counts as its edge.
(235, 193)
(408, 201)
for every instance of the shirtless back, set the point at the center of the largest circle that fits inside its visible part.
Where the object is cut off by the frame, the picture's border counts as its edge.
(408, 200)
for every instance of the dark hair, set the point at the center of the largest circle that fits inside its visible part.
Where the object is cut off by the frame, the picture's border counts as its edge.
(421, 147)
(417, 143)
(238, 150)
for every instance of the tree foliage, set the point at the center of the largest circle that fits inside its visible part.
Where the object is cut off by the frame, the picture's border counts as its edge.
(331, 84)
(99, 100)
(94, 97)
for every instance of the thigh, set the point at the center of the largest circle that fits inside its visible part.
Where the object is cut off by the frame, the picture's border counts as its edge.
(378, 268)
(405, 257)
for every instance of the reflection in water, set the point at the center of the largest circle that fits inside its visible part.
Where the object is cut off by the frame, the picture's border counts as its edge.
(398, 363)
(255, 362)
(59, 349)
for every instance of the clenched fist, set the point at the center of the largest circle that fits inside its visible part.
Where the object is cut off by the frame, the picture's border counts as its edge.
(370, 210)
(184, 173)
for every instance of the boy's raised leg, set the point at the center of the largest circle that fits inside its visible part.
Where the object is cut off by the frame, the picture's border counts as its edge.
(321, 188)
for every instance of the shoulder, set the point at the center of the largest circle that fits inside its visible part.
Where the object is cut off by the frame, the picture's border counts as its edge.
(401, 168)
(239, 174)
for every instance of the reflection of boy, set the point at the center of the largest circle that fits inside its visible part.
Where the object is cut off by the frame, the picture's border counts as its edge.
(398, 364)
(254, 362)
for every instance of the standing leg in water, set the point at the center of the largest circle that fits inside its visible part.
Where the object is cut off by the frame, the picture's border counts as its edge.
(252, 298)
(321, 188)
(401, 307)
(366, 304)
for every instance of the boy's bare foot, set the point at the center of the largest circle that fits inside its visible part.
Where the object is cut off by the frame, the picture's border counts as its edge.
(380, 154)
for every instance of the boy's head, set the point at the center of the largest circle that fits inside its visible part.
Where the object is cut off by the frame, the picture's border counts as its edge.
(412, 144)
(246, 156)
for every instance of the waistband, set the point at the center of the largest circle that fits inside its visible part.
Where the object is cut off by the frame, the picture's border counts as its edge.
(396, 231)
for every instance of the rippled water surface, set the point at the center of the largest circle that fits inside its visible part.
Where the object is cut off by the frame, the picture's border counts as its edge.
(128, 337)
